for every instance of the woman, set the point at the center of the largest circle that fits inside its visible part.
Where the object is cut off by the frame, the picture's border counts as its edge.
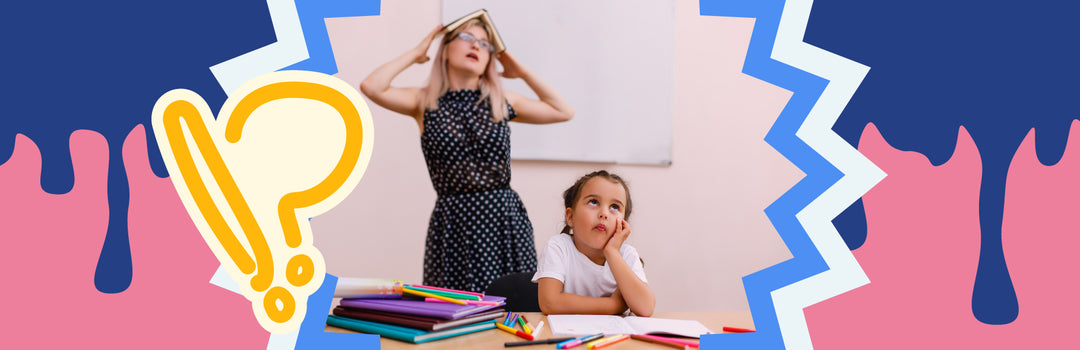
(479, 229)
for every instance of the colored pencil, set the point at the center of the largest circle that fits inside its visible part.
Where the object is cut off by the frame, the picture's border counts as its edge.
(737, 330)
(444, 290)
(577, 341)
(514, 331)
(658, 341)
(596, 344)
(446, 294)
(468, 302)
(524, 324)
(429, 295)
(673, 340)
(552, 340)
(539, 326)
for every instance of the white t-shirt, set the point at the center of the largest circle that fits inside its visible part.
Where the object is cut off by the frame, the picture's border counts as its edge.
(562, 261)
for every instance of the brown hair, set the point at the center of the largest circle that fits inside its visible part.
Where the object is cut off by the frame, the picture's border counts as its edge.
(439, 82)
(572, 194)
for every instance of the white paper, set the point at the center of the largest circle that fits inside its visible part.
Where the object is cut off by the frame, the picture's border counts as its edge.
(580, 325)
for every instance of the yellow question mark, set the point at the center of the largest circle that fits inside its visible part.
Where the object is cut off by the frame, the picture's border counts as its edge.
(278, 306)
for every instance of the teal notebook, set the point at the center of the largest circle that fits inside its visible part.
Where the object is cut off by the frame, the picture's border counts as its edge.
(403, 333)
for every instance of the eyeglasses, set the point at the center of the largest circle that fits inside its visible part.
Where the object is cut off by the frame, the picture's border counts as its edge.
(469, 38)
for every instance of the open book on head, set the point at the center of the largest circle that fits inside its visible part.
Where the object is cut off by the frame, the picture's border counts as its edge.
(580, 325)
(483, 16)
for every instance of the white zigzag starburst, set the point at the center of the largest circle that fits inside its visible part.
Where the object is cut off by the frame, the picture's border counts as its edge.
(860, 175)
(289, 48)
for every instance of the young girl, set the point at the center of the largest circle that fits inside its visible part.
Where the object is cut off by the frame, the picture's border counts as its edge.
(479, 229)
(588, 269)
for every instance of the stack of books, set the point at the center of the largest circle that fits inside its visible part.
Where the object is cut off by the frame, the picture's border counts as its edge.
(420, 315)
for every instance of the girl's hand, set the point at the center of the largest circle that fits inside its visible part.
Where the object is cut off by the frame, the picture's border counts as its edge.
(422, 48)
(618, 235)
(511, 68)
(618, 300)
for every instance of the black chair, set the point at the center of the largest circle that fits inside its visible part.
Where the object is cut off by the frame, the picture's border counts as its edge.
(519, 290)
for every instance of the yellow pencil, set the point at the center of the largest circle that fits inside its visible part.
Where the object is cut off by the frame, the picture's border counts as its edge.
(429, 295)
(599, 340)
(503, 327)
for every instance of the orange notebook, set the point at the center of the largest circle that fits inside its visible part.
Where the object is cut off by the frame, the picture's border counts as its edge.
(483, 16)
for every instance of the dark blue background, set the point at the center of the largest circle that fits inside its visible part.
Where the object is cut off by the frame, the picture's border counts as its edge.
(101, 66)
(998, 69)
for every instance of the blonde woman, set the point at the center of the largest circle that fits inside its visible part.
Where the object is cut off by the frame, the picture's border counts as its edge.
(479, 229)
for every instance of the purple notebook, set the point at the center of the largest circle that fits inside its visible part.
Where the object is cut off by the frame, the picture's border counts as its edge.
(446, 311)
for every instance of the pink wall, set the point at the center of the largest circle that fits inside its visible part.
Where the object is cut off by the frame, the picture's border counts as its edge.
(698, 223)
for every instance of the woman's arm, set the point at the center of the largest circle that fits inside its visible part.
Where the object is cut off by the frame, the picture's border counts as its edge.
(401, 100)
(551, 108)
(637, 294)
(553, 301)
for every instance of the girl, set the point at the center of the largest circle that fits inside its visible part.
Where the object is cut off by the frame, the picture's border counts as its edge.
(588, 269)
(479, 229)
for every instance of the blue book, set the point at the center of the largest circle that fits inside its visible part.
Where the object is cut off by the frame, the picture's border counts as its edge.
(411, 335)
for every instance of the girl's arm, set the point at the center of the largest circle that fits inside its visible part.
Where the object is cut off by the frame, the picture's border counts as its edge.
(551, 108)
(637, 294)
(401, 100)
(553, 301)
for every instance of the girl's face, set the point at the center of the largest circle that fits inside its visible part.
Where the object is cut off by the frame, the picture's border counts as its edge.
(466, 52)
(600, 202)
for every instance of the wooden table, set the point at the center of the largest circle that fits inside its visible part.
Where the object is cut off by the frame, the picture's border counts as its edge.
(494, 338)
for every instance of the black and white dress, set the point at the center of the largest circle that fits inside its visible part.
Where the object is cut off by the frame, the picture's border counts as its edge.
(479, 229)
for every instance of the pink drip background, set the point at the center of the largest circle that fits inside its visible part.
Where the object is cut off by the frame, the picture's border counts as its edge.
(52, 247)
(922, 250)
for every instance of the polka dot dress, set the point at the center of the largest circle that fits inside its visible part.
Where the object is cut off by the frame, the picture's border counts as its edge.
(479, 229)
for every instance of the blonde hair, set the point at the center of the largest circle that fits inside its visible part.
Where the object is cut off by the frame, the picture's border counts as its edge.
(490, 86)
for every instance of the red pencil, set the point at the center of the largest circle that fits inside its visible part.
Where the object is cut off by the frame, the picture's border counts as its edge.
(690, 343)
(737, 330)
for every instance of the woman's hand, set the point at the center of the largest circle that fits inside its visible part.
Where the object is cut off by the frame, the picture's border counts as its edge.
(401, 100)
(421, 50)
(618, 235)
(551, 108)
(511, 68)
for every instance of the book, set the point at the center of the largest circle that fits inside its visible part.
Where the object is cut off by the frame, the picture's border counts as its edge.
(422, 308)
(483, 16)
(411, 335)
(418, 322)
(580, 325)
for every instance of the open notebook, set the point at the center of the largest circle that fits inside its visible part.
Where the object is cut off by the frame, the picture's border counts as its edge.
(579, 325)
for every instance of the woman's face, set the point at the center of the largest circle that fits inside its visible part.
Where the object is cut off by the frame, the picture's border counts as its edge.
(465, 52)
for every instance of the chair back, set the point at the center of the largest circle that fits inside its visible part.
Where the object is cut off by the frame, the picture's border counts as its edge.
(519, 289)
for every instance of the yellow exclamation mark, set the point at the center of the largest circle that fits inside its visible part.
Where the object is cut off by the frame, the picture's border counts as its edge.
(219, 179)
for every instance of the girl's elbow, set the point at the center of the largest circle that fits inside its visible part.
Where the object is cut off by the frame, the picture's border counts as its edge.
(644, 309)
(546, 309)
(546, 305)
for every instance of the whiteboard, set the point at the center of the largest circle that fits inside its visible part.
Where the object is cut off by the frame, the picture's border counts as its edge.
(614, 63)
